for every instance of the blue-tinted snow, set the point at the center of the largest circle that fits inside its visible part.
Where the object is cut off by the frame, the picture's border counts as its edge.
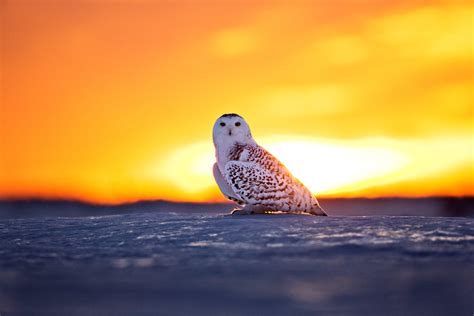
(200, 264)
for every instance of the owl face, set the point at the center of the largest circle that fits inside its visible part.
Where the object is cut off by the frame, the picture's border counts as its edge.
(231, 128)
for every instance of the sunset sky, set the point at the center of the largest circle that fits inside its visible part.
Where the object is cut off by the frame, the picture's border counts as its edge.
(114, 101)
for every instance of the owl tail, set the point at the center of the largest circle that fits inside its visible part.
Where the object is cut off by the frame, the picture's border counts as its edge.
(317, 209)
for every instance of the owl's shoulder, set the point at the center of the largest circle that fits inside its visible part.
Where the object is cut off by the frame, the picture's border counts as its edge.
(242, 152)
(256, 154)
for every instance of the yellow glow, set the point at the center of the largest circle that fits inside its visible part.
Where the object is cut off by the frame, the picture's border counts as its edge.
(190, 168)
(329, 167)
(326, 166)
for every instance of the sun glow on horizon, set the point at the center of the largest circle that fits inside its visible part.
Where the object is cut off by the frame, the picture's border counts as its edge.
(327, 167)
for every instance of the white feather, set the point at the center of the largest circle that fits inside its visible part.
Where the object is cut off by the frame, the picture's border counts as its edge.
(246, 172)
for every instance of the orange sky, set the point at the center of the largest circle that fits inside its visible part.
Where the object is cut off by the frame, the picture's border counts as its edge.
(112, 101)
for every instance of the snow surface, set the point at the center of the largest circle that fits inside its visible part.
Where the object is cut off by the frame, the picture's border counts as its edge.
(205, 264)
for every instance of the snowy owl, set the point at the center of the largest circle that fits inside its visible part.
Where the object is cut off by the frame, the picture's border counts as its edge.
(248, 174)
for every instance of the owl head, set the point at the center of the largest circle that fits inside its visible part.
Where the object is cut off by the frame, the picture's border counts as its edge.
(231, 128)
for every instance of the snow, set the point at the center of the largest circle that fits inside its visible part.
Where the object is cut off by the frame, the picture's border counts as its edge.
(203, 263)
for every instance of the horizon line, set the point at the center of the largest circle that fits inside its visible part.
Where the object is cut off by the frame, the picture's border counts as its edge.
(96, 203)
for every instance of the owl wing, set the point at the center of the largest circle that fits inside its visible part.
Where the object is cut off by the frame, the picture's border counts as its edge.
(224, 186)
(257, 185)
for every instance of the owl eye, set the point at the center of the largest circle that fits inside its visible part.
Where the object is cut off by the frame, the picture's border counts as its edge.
(222, 124)
(237, 123)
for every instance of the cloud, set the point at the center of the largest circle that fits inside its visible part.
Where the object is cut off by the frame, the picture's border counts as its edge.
(402, 73)
(434, 32)
(305, 101)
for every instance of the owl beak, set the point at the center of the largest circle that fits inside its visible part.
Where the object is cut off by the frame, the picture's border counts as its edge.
(230, 132)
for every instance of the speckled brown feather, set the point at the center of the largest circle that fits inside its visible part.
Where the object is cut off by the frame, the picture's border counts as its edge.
(260, 179)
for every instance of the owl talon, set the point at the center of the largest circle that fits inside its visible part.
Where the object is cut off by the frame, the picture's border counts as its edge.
(241, 212)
